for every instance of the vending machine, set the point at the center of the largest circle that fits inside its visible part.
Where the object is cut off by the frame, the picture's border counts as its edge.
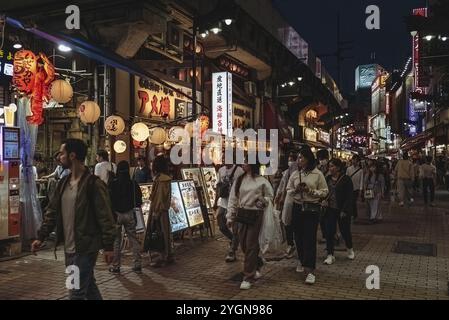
(9, 182)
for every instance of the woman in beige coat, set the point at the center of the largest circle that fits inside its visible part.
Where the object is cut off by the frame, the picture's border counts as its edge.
(160, 203)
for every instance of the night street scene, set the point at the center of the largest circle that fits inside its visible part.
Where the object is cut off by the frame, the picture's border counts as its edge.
(242, 151)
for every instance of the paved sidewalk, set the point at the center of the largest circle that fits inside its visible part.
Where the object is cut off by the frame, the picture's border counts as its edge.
(201, 273)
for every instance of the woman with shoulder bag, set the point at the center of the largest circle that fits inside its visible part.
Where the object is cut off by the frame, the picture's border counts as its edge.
(374, 192)
(306, 187)
(248, 199)
(158, 221)
(339, 208)
(125, 196)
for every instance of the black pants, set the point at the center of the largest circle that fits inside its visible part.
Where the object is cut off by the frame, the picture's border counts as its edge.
(447, 181)
(355, 197)
(289, 235)
(305, 227)
(230, 234)
(427, 184)
(332, 217)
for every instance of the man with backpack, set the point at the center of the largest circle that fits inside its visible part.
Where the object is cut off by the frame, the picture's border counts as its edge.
(227, 174)
(80, 210)
(104, 169)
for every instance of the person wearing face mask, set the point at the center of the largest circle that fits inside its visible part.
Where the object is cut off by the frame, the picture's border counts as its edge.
(279, 201)
(307, 187)
(250, 195)
(339, 208)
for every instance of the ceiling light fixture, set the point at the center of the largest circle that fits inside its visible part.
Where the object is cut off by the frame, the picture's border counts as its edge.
(64, 48)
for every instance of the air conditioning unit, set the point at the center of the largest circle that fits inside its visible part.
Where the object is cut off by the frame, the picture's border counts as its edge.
(250, 88)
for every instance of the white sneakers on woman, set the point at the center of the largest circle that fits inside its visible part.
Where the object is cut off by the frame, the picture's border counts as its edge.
(351, 254)
(310, 279)
(329, 260)
(245, 285)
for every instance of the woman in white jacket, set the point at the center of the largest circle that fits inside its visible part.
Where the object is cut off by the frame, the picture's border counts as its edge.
(247, 200)
(307, 188)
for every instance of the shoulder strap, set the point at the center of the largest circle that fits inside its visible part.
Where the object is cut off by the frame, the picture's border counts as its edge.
(355, 172)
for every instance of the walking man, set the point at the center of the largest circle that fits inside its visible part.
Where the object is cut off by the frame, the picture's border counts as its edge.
(80, 210)
(404, 174)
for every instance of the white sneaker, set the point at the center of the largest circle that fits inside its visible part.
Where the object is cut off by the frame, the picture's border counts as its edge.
(412, 200)
(351, 254)
(310, 279)
(245, 285)
(258, 275)
(299, 267)
(401, 204)
(329, 260)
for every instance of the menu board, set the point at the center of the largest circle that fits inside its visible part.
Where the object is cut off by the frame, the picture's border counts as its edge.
(210, 181)
(192, 174)
(177, 212)
(191, 203)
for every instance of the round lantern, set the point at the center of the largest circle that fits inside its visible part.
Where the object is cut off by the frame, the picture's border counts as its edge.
(140, 131)
(89, 112)
(61, 91)
(175, 134)
(114, 125)
(167, 145)
(157, 136)
(120, 146)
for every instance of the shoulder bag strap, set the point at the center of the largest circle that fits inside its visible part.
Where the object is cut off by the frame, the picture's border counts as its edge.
(355, 172)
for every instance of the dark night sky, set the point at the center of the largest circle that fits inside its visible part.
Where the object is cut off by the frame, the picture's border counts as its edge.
(316, 21)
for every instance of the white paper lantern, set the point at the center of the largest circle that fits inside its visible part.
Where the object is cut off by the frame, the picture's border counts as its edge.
(140, 131)
(114, 125)
(175, 134)
(89, 112)
(157, 136)
(120, 146)
(61, 91)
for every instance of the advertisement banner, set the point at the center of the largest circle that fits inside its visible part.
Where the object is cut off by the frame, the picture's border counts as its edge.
(420, 80)
(222, 113)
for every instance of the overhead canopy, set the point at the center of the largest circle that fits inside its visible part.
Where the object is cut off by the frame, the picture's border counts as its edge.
(95, 53)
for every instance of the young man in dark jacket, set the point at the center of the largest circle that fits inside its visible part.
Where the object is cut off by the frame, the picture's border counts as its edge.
(339, 209)
(80, 209)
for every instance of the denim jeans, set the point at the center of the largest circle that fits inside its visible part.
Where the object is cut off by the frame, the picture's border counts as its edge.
(88, 289)
(129, 222)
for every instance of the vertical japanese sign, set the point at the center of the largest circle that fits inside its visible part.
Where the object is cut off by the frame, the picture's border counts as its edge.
(417, 67)
(222, 103)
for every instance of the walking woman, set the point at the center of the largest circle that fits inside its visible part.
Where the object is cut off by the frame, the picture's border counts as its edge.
(249, 197)
(125, 196)
(339, 208)
(307, 187)
(374, 187)
(158, 217)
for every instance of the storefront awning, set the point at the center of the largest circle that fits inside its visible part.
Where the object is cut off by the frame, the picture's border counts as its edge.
(96, 53)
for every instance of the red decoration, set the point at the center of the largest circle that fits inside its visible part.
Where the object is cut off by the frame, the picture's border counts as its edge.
(204, 124)
(33, 75)
(25, 66)
(140, 144)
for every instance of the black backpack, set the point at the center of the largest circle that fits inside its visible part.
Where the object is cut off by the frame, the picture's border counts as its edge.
(224, 187)
(111, 175)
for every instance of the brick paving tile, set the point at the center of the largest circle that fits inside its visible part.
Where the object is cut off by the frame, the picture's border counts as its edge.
(201, 273)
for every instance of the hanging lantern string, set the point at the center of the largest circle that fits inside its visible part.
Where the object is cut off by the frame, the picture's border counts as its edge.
(159, 122)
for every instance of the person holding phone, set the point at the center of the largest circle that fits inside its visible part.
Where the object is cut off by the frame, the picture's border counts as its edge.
(307, 187)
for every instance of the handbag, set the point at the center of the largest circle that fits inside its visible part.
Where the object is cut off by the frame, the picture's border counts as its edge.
(247, 216)
(154, 238)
